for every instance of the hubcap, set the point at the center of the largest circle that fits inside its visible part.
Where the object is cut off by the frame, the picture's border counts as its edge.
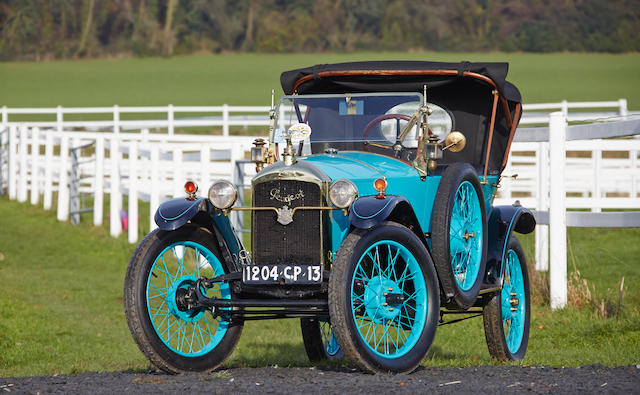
(175, 297)
(375, 296)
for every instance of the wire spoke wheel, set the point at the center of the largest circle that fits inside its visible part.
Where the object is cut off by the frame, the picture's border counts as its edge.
(177, 267)
(175, 337)
(459, 235)
(383, 299)
(506, 313)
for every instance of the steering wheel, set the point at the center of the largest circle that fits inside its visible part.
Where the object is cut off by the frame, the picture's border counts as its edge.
(378, 119)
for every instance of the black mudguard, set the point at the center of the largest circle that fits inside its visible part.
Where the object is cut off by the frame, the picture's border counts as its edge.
(369, 211)
(502, 221)
(175, 213)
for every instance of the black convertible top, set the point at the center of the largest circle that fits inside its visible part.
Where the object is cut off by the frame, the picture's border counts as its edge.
(465, 89)
(393, 76)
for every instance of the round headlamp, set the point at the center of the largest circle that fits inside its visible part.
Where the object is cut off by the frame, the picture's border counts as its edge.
(223, 194)
(342, 193)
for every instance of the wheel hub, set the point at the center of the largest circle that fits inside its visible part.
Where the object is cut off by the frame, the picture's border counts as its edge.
(382, 299)
(175, 299)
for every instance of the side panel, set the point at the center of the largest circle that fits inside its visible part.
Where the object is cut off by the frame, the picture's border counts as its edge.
(502, 221)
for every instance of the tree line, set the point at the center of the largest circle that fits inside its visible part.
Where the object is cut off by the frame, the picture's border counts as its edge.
(53, 29)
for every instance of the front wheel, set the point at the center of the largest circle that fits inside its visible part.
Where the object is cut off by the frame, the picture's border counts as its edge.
(162, 267)
(507, 313)
(384, 298)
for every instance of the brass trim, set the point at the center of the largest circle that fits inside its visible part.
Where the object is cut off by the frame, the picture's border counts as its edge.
(276, 209)
(491, 127)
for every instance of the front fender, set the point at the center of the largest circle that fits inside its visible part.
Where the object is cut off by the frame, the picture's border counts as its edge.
(174, 213)
(503, 220)
(369, 211)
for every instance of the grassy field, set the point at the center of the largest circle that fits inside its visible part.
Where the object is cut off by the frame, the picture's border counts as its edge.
(61, 306)
(247, 79)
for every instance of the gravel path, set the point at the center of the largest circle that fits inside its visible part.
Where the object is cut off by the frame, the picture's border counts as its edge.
(486, 379)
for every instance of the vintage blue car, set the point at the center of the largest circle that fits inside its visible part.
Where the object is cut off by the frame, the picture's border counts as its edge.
(371, 220)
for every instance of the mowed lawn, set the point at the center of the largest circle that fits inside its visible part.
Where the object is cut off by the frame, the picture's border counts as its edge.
(61, 306)
(247, 79)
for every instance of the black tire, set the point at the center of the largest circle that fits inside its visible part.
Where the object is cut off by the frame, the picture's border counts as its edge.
(151, 313)
(497, 327)
(402, 300)
(319, 341)
(458, 184)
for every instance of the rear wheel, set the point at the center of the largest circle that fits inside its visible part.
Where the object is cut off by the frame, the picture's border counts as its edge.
(384, 298)
(459, 234)
(173, 338)
(320, 342)
(507, 313)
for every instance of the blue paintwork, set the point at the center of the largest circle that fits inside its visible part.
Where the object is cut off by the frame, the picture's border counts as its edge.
(502, 221)
(363, 168)
(174, 213)
(389, 329)
(513, 322)
(223, 228)
(489, 190)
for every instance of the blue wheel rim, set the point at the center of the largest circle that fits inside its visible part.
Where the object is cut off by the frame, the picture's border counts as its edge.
(465, 236)
(513, 303)
(189, 333)
(331, 346)
(389, 326)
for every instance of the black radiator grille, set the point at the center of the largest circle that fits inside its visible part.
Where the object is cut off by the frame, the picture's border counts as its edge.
(299, 242)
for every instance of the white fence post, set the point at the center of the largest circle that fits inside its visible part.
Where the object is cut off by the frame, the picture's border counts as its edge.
(178, 177)
(63, 184)
(115, 196)
(59, 119)
(624, 111)
(597, 159)
(98, 185)
(133, 191)
(13, 162)
(557, 210)
(154, 199)
(542, 231)
(22, 178)
(205, 154)
(170, 118)
(35, 166)
(225, 120)
(47, 199)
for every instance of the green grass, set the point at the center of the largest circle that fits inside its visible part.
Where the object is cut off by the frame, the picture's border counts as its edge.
(247, 79)
(61, 306)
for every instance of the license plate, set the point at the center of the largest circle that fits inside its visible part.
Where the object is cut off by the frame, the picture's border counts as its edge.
(277, 274)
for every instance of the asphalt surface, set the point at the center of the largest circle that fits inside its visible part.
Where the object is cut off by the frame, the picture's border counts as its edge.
(328, 380)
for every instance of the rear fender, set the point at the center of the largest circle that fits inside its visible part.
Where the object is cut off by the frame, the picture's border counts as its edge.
(369, 211)
(502, 221)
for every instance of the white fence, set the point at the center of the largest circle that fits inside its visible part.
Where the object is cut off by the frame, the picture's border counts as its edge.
(588, 173)
(169, 118)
